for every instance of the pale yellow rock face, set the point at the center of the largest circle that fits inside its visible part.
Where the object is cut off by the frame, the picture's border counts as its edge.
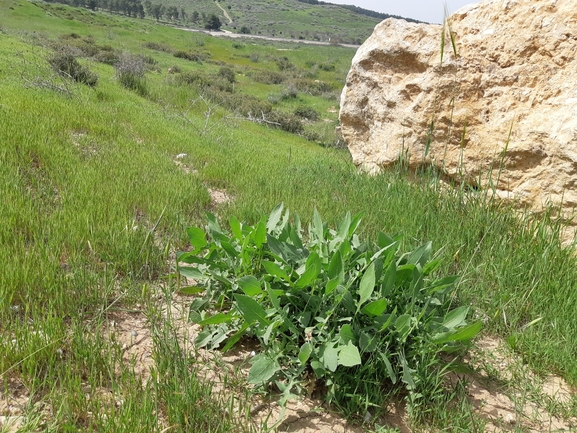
(505, 105)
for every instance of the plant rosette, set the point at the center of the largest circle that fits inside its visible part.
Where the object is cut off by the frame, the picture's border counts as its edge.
(358, 316)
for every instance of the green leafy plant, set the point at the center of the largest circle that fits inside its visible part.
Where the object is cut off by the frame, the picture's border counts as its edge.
(357, 316)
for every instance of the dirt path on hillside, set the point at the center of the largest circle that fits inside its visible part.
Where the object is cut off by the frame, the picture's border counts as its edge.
(227, 34)
(227, 16)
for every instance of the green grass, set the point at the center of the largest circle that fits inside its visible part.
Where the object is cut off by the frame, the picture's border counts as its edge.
(93, 204)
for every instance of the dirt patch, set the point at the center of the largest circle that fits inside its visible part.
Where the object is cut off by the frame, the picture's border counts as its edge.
(130, 330)
(186, 168)
(510, 397)
(219, 196)
(14, 399)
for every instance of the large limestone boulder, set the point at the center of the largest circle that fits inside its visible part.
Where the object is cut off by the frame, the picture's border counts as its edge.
(505, 106)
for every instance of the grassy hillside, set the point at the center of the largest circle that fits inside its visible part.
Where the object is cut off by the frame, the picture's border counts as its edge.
(293, 19)
(99, 183)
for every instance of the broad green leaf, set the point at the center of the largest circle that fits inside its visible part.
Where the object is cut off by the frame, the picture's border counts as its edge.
(331, 286)
(346, 334)
(260, 234)
(251, 310)
(335, 265)
(367, 286)
(389, 279)
(294, 233)
(416, 286)
(197, 237)
(268, 332)
(191, 290)
(403, 325)
(442, 286)
(250, 285)
(275, 270)
(313, 269)
(344, 226)
(236, 228)
(272, 294)
(349, 355)
(368, 342)
(231, 251)
(421, 255)
(314, 260)
(274, 218)
(378, 269)
(407, 374)
(217, 319)
(278, 248)
(389, 368)
(233, 339)
(303, 318)
(375, 308)
(305, 352)
(404, 274)
(456, 318)
(330, 358)
(318, 227)
(203, 338)
(213, 225)
(464, 334)
(192, 273)
(356, 221)
(384, 241)
(345, 249)
(318, 368)
(432, 266)
(386, 319)
(263, 368)
(198, 304)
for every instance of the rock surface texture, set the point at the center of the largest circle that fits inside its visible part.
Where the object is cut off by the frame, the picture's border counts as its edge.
(505, 106)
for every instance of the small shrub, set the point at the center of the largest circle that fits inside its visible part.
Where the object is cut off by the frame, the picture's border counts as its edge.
(189, 55)
(307, 113)
(67, 65)
(327, 67)
(227, 73)
(285, 121)
(157, 47)
(107, 57)
(274, 98)
(193, 78)
(358, 316)
(265, 76)
(289, 92)
(175, 69)
(149, 60)
(313, 87)
(284, 63)
(254, 57)
(248, 105)
(130, 72)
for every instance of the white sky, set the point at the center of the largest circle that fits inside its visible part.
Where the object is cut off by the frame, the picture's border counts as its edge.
(431, 11)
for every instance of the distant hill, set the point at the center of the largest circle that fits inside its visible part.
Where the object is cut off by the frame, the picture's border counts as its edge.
(298, 19)
(360, 10)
